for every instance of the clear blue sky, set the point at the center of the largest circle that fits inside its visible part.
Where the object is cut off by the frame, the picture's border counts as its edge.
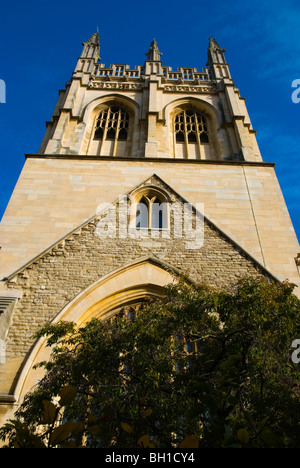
(41, 40)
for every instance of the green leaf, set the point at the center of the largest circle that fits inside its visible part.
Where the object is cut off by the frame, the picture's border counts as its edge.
(147, 412)
(243, 436)
(127, 428)
(61, 433)
(269, 438)
(67, 395)
(49, 412)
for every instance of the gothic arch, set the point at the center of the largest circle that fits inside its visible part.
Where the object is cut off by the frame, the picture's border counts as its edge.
(92, 110)
(146, 277)
(147, 194)
(204, 108)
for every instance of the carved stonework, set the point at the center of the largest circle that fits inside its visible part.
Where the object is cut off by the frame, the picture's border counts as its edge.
(115, 85)
(188, 89)
(297, 260)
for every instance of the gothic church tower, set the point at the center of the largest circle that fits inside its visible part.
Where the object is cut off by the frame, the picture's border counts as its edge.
(142, 174)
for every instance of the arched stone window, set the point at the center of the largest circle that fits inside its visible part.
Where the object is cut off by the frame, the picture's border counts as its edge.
(150, 213)
(192, 139)
(150, 209)
(191, 126)
(112, 131)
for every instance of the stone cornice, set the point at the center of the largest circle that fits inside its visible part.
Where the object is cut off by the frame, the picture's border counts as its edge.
(83, 157)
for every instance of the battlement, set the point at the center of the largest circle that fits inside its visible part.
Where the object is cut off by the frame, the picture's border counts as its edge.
(124, 71)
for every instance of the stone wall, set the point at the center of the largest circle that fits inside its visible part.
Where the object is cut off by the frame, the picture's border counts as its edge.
(52, 280)
(54, 196)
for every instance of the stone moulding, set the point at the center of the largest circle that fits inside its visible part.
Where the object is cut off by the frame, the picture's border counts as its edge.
(149, 159)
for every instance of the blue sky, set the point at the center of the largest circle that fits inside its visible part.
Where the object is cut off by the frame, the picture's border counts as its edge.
(41, 41)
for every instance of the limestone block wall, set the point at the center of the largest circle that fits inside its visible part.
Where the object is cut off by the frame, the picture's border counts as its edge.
(52, 280)
(54, 196)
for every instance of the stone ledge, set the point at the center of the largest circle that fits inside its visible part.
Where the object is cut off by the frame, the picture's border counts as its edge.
(7, 399)
(229, 162)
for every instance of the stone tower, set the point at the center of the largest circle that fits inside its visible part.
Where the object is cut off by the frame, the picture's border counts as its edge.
(142, 174)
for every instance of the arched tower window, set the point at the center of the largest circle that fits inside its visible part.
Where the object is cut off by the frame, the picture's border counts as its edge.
(191, 135)
(112, 131)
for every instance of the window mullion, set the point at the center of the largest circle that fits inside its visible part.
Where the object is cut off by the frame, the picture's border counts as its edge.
(105, 130)
(198, 136)
(117, 133)
(149, 214)
(186, 135)
(174, 137)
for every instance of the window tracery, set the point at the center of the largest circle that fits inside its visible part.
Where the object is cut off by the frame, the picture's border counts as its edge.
(191, 126)
(149, 209)
(112, 130)
(151, 212)
(112, 124)
(191, 132)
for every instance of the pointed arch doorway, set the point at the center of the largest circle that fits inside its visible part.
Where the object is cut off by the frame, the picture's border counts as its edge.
(129, 285)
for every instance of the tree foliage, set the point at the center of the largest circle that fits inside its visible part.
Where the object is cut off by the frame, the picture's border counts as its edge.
(199, 368)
